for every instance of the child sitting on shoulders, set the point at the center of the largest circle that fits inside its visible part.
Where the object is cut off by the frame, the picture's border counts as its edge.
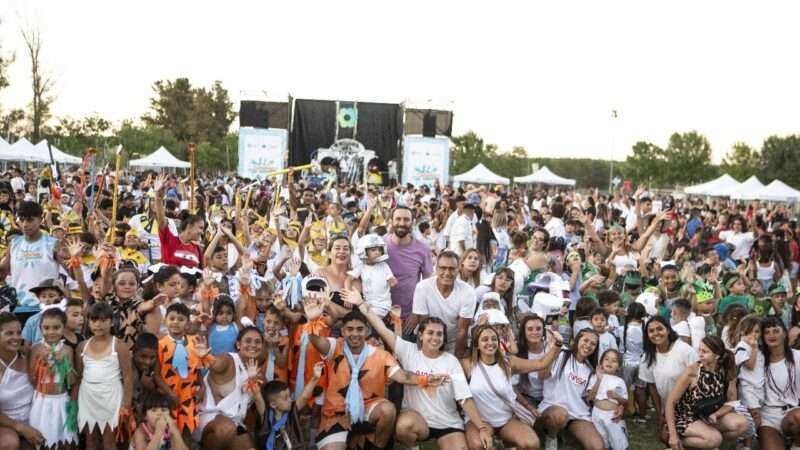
(376, 277)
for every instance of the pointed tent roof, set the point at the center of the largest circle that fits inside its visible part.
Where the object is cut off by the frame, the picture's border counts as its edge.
(480, 174)
(747, 190)
(160, 158)
(22, 150)
(718, 187)
(778, 191)
(545, 176)
(58, 156)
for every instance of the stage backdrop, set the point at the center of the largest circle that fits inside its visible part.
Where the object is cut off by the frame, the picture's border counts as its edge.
(379, 127)
(261, 150)
(426, 160)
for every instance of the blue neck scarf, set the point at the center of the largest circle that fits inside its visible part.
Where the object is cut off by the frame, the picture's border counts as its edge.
(299, 382)
(293, 288)
(180, 358)
(355, 399)
(276, 427)
(270, 366)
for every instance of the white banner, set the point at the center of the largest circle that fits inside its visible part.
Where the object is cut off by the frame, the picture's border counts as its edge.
(426, 160)
(261, 150)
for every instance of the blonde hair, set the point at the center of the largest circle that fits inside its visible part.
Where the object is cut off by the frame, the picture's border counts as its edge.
(499, 356)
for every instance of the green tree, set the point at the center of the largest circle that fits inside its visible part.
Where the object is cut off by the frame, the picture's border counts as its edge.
(741, 162)
(688, 157)
(647, 163)
(191, 114)
(779, 157)
(469, 149)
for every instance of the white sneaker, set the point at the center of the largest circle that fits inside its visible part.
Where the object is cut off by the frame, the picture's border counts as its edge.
(551, 443)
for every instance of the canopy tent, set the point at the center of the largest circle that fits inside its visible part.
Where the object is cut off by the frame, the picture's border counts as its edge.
(22, 150)
(58, 156)
(715, 188)
(480, 174)
(747, 190)
(545, 176)
(778, 191)
(160, 158)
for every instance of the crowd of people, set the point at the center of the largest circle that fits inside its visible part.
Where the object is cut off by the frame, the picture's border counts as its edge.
(143, 312)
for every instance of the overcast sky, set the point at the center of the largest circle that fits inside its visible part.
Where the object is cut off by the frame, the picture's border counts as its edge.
(545, 77)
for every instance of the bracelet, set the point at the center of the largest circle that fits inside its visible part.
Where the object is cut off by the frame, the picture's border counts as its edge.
(74, 262)
(422, 381)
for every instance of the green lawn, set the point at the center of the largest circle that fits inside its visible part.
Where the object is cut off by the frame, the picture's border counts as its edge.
(643, 437)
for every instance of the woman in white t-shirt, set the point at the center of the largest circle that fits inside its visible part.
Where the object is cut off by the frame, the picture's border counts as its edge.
(490, 372)
(741, 239)
(566, 386)
(429, 415)
(780, 415)
(665, 358)
(532, 345)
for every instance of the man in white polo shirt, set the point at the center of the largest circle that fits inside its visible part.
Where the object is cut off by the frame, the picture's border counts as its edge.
(448, 298)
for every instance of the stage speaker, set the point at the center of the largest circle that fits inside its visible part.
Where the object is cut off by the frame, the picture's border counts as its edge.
(258, 114)
(428, 122)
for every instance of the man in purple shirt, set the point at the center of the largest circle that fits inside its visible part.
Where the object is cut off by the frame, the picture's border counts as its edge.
(409, 259)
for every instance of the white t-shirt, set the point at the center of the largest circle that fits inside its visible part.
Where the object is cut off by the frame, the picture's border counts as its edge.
(569, 390)
(493, 410)
(462, 230)
(633, 344)
(460, 304)
(555, 227)
(741, 355)
(742, 242)
(31, 262)
(667, 367)
(778, 392)
(611, 383)
(439, 410)
(535, 386)
(375, 286)
(607, 341)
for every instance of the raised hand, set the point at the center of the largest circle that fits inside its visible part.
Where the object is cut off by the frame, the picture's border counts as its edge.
(312, 307)
(75, 246)
(318, 368)
(252, 368)
(201, 348)
(160, 183)
(352, 297)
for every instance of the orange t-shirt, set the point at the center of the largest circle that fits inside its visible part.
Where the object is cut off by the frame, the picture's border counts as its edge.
(373, 379)
(185, 389)
(320, 328)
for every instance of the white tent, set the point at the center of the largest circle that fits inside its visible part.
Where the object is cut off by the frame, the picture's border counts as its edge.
(545, 176)
(747, 190)
(160, 158)
(480, 174)
(58, 156)
(721, 186)
(22, 150)
(778, 191)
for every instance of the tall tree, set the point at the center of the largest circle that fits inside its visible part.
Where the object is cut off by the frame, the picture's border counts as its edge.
(469, 149)
(41, 83)
(741, 162)
(647, 163)
(779, 159)
(688, 158)
(172, 107)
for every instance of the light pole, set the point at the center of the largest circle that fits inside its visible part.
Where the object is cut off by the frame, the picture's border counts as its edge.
(614, 116)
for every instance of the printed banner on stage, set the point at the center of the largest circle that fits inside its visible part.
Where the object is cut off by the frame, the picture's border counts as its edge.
(426, 160)
(261, 150)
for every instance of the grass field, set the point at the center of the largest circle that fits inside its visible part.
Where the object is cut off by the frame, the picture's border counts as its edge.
(642, 437)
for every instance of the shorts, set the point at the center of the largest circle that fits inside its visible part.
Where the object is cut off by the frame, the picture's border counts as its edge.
(337, 434)
(630, 373)
(436, 433)
(772, 416)
(749, 396)
(570, 416)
